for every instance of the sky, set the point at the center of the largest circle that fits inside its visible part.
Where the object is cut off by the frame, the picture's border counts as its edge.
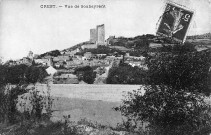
(25, 26)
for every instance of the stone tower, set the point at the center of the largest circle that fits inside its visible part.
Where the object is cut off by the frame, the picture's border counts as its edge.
(93, 36)
(100, 34)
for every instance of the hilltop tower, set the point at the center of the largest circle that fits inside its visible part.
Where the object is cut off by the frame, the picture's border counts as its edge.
(97, 36)
(93, 36)
(100, 34)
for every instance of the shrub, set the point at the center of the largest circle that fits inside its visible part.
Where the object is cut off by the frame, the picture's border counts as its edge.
(20, 74)
(86, 74)
(167, 110)
(188, 71)
(126, 74)
(8, 100)
(35, 74)
(173, 102)
(35, 104)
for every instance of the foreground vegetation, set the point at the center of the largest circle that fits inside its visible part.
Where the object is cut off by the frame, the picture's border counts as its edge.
(174, 98)
(176, 84)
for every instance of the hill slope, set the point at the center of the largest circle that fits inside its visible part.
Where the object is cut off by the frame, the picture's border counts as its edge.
(140, 42)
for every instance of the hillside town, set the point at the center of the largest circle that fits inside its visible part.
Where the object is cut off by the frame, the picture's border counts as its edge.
(99, 54)
(65, 62)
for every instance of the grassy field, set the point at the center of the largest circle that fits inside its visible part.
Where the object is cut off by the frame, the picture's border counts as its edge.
(92, 110)
(93, 102)
(110, 93)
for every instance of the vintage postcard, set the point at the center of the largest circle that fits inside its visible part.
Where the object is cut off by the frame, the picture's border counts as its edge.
(71, 63)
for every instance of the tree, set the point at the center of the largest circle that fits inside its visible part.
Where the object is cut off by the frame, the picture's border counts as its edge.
(19, 76)
(13, 74)
(174, 99)
(3, 71)
(181, 70)
(53, 53)
(167, 111)
(126, 74)
(86, 74)
(21, 73)
(35, 74)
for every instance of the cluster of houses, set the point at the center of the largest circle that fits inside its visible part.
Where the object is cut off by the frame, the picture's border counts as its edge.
(65, 61)
(72, 61)
(69, 60)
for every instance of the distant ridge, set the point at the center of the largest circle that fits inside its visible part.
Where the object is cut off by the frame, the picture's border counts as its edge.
(137, 42)
(202, 36)
(127, 42)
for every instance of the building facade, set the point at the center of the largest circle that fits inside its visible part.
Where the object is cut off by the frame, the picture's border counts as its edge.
(101, 34)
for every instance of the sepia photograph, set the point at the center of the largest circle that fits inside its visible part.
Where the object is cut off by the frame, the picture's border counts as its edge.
(105, 67)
